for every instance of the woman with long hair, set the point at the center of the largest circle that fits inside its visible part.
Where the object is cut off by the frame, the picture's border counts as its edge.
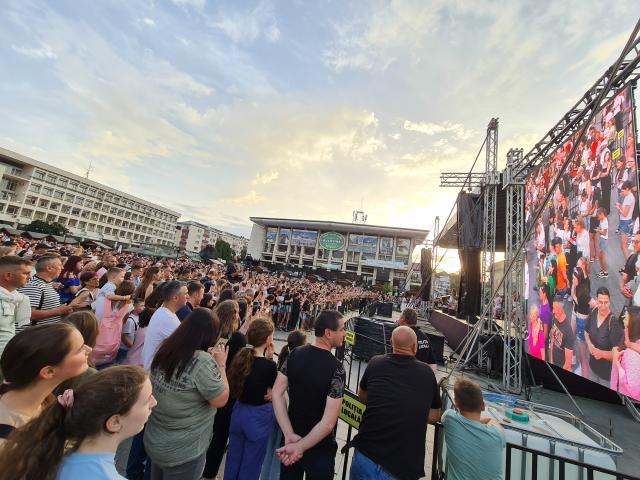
(228, 314)
(87, 324)
(297, 338)
(34, 363)
(69, 278)
(77, 435)
(151, 277)
(536, 339)
(251, 378)
(190, 383)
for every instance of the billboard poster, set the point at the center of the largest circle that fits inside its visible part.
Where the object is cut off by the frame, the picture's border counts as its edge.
(386, 245)
(402, 247)
(362, 243)
(271, 234)
(332, 241)
(582, 260)
(305, 238)
(285, 236)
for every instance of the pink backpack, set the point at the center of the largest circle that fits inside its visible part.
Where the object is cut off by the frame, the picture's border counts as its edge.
(109, 334)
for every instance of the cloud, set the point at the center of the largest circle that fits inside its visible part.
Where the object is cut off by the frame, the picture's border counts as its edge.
(250, 198)
(42, 52)
(265, 178)
(149, 21)
(246, 27)
(196, 4)
(429, 128)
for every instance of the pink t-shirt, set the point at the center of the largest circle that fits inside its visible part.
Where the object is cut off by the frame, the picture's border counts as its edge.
(626, 378)
(134, 355)
(537, 349)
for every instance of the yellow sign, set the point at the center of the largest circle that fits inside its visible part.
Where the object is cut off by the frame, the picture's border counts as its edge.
(350, 337)
(352, 409)
(616, 154)
(621, 134)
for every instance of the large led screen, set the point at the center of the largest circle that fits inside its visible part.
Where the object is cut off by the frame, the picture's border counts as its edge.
(582, 262)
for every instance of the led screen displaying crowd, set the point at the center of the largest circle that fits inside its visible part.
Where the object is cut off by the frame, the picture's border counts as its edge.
(582, 260)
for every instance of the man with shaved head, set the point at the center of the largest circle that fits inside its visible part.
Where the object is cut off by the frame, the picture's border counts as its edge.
(401, 394)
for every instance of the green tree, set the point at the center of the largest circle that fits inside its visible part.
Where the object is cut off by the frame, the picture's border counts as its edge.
(41, 226)
(387, 288)
(223, 250)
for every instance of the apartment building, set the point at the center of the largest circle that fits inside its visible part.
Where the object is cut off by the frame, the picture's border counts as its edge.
(194, 237)
(31, 190)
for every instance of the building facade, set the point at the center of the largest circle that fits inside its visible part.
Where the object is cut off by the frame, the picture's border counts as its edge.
(31, 190)
(368, 253)
(194, 237)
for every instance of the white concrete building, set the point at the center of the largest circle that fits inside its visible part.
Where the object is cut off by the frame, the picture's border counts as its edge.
(31, 190)
(369, 253)
(194, 237)
(441, 284)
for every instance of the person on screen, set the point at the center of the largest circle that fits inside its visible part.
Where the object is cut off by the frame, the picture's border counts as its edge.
(603, 235)
(581, 295)
(562, 337)
(563, 285)
(625, 371)
(629, 271)
(545, 314)
(625, 208)
(536, 338)
(603, 331)
(582, 237)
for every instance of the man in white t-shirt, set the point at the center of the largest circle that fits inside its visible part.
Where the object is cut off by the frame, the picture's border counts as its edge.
(626, 213)
(164, 321)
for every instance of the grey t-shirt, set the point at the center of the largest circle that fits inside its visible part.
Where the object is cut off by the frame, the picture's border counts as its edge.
(181, 425)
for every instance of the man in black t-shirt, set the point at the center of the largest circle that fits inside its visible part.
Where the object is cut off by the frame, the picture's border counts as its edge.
(315, 380)
(401, 394)
(562, 338)
(603, 331)
(233, 275)
(424, 354)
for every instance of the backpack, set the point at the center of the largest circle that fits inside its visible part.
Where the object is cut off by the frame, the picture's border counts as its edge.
(109, 334)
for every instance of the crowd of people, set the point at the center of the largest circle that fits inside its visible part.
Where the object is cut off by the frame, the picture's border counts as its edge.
(585, 254)
(97, 347)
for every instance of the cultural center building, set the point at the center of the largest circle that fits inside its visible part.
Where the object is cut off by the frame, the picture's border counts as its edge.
(371, 254)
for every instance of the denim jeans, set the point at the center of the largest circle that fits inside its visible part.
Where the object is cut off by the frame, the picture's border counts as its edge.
(363, 468)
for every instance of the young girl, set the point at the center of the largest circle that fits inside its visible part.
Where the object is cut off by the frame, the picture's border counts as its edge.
(536, 334)
(625, 373)
(34, 363)
(77, 435)
(69, 278)
(134, 354)
(251, 376)
(130, 329)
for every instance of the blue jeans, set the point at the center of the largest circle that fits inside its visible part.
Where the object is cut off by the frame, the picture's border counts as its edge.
(138, 464)
(363, 468)
(249, 432)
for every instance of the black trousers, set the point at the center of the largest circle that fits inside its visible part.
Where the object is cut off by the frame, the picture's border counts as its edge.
(218, 444)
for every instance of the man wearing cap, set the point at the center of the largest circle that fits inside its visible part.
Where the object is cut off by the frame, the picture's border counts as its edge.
(401, 395)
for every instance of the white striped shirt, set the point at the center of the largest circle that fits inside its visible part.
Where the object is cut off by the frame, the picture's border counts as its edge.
(42, 296)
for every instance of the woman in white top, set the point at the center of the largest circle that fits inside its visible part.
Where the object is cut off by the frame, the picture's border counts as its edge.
(584, 207)
(582, 238)
(626, 216)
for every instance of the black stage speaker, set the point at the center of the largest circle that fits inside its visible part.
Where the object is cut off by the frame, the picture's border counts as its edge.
(426, 274)
(384, 309)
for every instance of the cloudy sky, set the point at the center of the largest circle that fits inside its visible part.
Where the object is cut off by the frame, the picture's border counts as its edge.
(227, 109)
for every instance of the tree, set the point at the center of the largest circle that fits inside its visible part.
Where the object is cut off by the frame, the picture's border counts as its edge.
(223, 250)
(387, 288)
(41, 226)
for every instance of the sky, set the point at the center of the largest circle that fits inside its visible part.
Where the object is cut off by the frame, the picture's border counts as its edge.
(222, 110)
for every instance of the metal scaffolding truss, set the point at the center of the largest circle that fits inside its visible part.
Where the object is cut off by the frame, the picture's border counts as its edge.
(489, 208)
(627, 70)
(460, 180)
(514, 314)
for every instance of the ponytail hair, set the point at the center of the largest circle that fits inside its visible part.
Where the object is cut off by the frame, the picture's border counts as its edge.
(36, 449)
(240, 368)
(297, 338)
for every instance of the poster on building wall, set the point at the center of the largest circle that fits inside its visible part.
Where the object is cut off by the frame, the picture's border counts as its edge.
(362, 243)
(271, 234)
(402, 247)
(386, 245)
(305, 238)
(285, 236)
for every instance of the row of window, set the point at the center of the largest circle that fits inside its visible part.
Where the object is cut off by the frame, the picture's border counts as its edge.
(80, 201)
(99, 194)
